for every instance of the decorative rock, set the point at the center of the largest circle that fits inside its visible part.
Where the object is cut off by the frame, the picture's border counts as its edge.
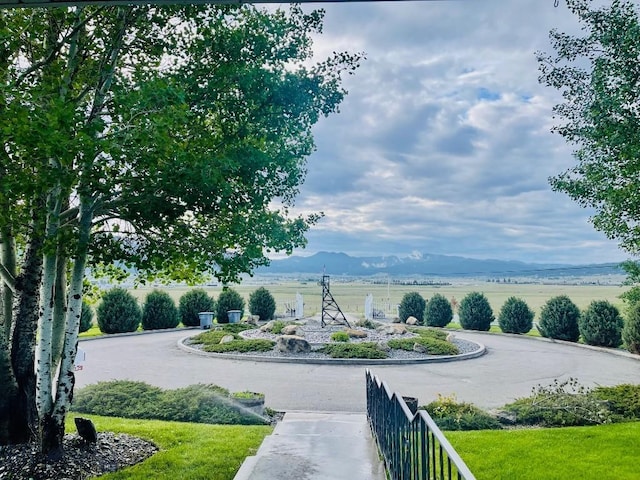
(227, 339)
(419, 348)
(412, 321)
(292, 344)
(353, 333)
(395, 320)
(252, 319)
(267, 327)
(450, 337)
(393, 329)
(289, 329)
(383, 346)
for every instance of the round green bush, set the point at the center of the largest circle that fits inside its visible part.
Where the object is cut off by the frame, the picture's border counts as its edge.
(262, 303)
(412, 305)
(118, 312)
(631, 330)
(601, 324)
(229, 299)
(192, 303)
(559, 319)
(515, 316)
(86, 317)
(159, 311)
(475, 312)
(438, 312)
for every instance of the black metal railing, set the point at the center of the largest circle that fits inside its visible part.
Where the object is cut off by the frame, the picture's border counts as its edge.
(411, 444)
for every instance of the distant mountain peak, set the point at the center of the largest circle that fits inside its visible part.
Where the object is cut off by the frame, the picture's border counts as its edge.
(425, 264)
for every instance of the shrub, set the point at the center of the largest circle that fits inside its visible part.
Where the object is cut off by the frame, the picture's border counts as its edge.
(433, 346)
(450, 414)
(631, 330)
(412, 305)
(159, 311)
(192, 303)
(86, 317)
(262, 303)
(438, 312)
(340, 336)
(623, 400)
(195, 403)
(353, 350)
(561, 404)
(559, 319)
(229, 299)
(515, 316)
(475, 312)
(601, 324)
(118, 312)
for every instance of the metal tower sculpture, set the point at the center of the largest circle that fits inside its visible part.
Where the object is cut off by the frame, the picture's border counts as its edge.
(330, 310)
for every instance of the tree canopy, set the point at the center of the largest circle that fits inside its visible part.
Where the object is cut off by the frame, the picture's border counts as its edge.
(169, 139)
(598, 74)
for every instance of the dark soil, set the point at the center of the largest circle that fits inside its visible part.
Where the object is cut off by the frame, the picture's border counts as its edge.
(80, 461)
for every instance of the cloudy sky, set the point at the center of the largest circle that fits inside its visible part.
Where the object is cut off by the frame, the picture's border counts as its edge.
(443, 144)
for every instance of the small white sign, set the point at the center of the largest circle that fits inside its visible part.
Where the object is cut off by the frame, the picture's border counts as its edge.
(81, 357)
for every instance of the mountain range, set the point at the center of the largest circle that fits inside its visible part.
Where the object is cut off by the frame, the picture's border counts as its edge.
(427, 264)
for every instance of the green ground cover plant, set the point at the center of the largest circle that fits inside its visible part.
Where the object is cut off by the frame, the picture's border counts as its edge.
(188, 451)
(433, 345)
(195, 403)
(241, 346)
(588, 453)
(340, 336)
(353, 350)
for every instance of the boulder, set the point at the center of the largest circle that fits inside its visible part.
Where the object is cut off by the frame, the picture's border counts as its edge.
(292, 344)
(393, 329)
(252, 319)
(353, 333)
(267, 327)
(227, 339)
(289, 329)
(450, 337)
(419, 348)
(382, 346)
(395, 320)
(412, 321)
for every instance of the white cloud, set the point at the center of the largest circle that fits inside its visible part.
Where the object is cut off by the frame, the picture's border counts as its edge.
(443, 144)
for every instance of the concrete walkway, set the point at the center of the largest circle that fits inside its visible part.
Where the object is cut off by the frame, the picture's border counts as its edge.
(316, 446)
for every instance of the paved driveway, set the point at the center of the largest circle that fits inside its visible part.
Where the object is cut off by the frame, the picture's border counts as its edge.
(509, 370)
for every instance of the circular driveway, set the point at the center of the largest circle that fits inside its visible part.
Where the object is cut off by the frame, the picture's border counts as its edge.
(510, 369)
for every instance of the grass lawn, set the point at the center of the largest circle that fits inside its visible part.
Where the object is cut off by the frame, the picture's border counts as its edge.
(588, 453)
(188, 451)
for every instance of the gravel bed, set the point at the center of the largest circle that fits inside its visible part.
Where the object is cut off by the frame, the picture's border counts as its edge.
(80, 461)
(318, 336)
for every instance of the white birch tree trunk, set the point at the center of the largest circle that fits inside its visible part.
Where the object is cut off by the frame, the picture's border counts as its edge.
(44, 363)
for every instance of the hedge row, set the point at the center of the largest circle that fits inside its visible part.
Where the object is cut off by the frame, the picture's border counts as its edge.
(600, 324)
(119, 311)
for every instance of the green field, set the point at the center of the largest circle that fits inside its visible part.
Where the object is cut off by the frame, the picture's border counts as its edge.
(350, 296)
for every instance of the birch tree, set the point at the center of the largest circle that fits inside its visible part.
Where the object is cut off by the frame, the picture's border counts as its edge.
(158, 137)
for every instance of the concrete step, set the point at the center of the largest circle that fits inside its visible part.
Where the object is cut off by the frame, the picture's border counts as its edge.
(316, 446)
